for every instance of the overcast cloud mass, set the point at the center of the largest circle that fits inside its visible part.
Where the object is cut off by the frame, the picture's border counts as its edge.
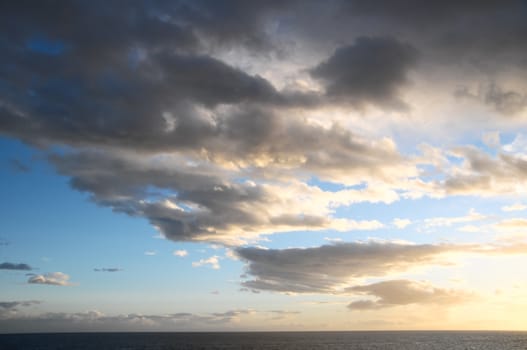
(248, 134)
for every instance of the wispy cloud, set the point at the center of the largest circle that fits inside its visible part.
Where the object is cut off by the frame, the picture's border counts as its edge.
(514, 207)
(401, 223)
(213, 261)
(181, 253)
(108, 269)
(405, 292)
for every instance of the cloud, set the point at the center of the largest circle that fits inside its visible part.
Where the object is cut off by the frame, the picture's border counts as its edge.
(329, 268)
(486, 175)
(404, 292)
(108, 269)
(333, 269)
(11, 308)
(98, 321)
(514, 207)
(372, 70)
(508, 102)
(150, 252)
(455, 31)
(213, 261)
(54, 278)
(14, 266)
(512, 225)
(449, 221)
(181, 253)
(401, 223)
(202, 201)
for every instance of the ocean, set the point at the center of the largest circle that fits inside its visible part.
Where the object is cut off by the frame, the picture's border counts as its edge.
(268, 341)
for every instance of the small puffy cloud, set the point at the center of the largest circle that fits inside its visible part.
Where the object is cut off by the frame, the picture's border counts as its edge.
(181, 253)
(150, 252)
(469, 228)
(514, 207)
(401, 223)
(404, 292)
(213, 261)
(108, 269)
(54, 278)
(15, 266)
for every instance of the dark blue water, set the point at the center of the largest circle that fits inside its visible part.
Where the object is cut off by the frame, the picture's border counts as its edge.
(268, 341)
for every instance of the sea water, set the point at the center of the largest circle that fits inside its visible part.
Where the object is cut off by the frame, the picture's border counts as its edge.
(268, 341)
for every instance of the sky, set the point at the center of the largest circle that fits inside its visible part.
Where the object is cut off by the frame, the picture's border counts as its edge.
(263, 165)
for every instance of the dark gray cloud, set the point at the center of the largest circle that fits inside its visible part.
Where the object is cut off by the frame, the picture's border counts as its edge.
(478, 32)
(372, 70)
(76, 83)
(323, 269)
(405, 292)
(108, 269)
(235, 22)
(15, 266)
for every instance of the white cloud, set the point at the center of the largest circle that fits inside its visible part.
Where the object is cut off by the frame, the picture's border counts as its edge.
(514, 207)
(213, 261)
(181, 253)
(469, 228)
(53, 278)
(401, 223)
(513, 224)
(150, 252)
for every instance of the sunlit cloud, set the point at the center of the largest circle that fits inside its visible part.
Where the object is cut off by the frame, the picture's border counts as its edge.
(213, 261)
(53, 278)
(181, 253)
